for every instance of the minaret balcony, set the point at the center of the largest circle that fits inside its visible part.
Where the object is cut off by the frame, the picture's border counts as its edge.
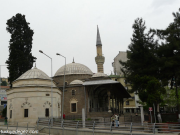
(99, 59)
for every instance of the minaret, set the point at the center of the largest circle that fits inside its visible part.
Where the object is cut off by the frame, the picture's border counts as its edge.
(99, 58)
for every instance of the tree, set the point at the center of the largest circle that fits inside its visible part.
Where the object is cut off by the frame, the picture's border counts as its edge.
(20, 57)
(4, 83)
(141, 68)
(169, 54)
(170, 98)
(4, 112)
(141, 56)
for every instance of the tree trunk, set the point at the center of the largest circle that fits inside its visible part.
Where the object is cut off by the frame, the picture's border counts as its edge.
(178, 111)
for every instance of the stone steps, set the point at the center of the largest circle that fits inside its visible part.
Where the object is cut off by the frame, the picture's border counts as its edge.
(99, 114)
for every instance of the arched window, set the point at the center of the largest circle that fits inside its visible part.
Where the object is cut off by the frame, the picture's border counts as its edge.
(73, 92)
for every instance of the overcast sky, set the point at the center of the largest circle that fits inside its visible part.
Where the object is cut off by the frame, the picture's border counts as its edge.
(69, 27)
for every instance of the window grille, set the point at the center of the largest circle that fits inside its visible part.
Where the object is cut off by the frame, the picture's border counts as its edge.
(25, 112)
(73, 92)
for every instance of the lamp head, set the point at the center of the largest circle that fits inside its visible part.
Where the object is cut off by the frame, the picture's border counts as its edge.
(58, 54)
(40, 51)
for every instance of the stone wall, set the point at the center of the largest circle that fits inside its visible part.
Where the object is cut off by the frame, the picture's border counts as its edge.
(36, 100)
(78, 98)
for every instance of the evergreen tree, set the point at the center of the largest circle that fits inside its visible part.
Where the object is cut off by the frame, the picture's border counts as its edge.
(20, 57)
(4, 83)
(141, 68)
(141, 56)
(169, 54)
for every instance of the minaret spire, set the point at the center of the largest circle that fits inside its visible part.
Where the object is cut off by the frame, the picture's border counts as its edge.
(99, 58)
(98, 40)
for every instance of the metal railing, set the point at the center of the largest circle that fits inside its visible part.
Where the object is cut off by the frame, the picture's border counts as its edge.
(16, 128)
(128, 127)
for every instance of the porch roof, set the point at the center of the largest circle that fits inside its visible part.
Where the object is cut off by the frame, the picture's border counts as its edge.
(98, 82)
(115, 86)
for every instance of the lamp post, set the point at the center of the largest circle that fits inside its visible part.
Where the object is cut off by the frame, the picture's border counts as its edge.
(51, 88)
(0, 75)
(63, 86)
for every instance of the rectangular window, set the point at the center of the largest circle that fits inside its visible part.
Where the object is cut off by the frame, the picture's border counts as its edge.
(73, 107)
(47, 112)
(10, 114)
(25, 112)
(73, 92)
(127, 102)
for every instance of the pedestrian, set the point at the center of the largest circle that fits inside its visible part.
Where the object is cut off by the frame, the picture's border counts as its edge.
(64, 116)
(112, 119)
(116, 120)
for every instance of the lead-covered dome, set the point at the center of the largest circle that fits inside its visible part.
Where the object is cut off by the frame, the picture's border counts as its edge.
(99, 75)
(74, 68)
(76, 82)
(34, 73)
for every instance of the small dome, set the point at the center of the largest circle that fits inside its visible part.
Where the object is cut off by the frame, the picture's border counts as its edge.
(76, 82)
(74, 68)
(34, 73)
(100, 75)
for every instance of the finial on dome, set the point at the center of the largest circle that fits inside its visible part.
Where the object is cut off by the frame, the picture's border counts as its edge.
(35, 65)
(73, 60)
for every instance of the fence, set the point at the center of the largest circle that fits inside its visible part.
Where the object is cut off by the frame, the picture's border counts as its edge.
(15, 128)
(129, 127)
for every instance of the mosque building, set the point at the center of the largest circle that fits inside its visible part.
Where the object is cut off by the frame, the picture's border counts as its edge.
(98, 94)
(93, 92)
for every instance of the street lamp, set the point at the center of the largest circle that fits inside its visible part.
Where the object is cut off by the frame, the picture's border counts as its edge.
(51, 88)
(0, 75)
(63, 86)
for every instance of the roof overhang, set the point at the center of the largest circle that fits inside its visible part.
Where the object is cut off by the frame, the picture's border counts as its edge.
(99, 82)
(116, 86)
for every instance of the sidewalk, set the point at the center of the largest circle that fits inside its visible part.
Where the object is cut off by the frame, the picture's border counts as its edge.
(87, 131)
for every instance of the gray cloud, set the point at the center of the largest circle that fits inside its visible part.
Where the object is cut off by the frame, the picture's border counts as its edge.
(160, 3)
(69, 27)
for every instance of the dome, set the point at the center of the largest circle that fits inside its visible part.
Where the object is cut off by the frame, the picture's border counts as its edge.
(100, 75)
(76, 82)
(74, 68)
(34, 73)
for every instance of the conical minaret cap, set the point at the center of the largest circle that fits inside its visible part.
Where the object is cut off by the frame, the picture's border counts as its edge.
(98, 41)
